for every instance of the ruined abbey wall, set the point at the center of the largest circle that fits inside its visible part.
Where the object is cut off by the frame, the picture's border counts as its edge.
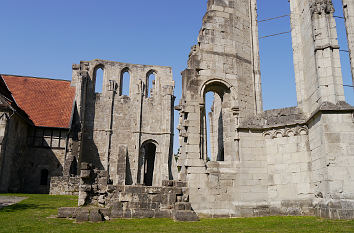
(110, 119)
(282, 161)
(291, 161)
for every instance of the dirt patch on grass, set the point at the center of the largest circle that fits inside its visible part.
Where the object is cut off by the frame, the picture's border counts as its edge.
(10, 200)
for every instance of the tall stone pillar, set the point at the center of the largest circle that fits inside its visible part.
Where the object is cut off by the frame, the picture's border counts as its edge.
(226, 62)
(348, 10)
(320, 92)
(316, 54)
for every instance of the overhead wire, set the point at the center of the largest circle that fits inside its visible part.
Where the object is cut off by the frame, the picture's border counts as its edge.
(276, 34)
(269, 19)
(282, 33)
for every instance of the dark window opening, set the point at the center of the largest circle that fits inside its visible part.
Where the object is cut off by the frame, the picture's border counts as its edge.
(44, 177)
(148, 152)
(73, 167)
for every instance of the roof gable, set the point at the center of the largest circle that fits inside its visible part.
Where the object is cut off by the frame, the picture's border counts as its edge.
(48, 102)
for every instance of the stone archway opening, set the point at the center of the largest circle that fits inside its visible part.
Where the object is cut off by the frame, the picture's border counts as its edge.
(148, 154)
(213, 125)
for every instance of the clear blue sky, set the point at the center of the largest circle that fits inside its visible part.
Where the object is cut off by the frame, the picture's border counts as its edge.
(44, 38)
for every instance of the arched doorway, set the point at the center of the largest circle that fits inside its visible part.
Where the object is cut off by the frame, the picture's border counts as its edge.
(215, 121)
(147, 163)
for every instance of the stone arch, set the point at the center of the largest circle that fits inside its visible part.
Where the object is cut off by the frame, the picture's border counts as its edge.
(290, 133)
(98, 84)
(217, 86)
(150, 83)
(279, 133)
(303, 130)
(147, 157)
(268, 135)
(124, 85)
(213, 133)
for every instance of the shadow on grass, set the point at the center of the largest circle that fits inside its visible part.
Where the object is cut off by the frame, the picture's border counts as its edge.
(20, 207)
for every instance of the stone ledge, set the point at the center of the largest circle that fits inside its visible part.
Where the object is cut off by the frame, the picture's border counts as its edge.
(291, 116)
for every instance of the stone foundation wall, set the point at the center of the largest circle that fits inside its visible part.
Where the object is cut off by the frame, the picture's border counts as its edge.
(171, 200)
(61, 185)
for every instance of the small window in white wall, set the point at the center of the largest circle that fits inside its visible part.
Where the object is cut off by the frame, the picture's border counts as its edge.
(99, 80)
(125, 82)
(150, 82)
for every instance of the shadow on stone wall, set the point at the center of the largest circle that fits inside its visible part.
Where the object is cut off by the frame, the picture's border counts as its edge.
(36, 161)
(90, 153)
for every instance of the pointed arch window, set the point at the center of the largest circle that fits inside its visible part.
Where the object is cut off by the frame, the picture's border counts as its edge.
(125, 82)
(99, 72)
(150, 83)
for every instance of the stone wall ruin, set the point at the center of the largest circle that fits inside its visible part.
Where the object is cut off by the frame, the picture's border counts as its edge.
(292, 161)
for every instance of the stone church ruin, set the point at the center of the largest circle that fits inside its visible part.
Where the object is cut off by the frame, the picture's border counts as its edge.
(115, 150)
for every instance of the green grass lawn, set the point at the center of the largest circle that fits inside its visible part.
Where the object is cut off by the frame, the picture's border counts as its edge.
(36, 214)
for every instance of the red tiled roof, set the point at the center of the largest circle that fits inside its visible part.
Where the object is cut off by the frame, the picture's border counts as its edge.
(47, 102)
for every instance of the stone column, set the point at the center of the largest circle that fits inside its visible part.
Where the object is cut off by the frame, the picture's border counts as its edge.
(316, 54)
(348, 10)
(256, 58)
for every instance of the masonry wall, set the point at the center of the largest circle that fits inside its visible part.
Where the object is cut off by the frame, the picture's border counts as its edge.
(13, 146)
(63, 185)
(289, 169)
(331, 137)
(110, 119)
(35, 161)
(252, 176)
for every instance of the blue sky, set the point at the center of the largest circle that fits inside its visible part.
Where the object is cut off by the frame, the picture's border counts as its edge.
(44, 38)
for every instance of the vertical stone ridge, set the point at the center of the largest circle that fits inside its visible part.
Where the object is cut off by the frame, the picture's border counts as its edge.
(348, 10)
(316, 54)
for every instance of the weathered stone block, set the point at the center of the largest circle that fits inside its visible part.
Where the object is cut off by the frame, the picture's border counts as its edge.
(95, 215)
(106, 212)
(117, 206)
(67, 212)
(82, 215)
(163, 213)
(127, 214)
(181, 184)
(141, 213)
(167, 183)
(85, 174)
(183, 216)
(117, 213)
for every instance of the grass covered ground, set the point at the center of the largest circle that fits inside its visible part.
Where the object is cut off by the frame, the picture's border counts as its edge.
(35, 214)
